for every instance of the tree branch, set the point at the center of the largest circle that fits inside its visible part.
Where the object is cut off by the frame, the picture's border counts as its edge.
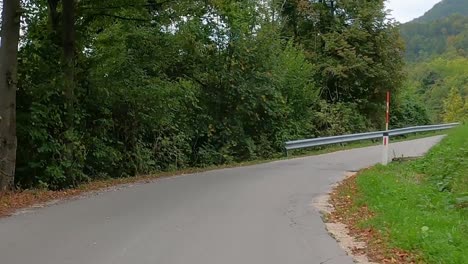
(196, 80)
(122, 17)
(149, 4)
(113, 7)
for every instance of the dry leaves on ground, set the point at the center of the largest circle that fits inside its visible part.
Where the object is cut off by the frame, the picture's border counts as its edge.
(343, 198)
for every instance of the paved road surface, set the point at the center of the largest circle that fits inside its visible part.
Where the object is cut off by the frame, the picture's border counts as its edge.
(252, 215)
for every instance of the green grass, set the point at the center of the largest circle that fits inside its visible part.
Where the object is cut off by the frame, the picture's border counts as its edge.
(422, 205)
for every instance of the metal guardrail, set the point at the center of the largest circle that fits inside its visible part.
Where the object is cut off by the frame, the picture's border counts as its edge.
(416, 129)
(306, 143)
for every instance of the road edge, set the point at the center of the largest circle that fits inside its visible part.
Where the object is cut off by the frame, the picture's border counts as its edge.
(340, 231)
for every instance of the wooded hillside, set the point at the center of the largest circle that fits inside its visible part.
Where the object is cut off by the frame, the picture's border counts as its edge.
(436, 52)
(444, 9)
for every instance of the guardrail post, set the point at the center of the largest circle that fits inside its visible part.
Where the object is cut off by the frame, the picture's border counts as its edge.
(385, 149)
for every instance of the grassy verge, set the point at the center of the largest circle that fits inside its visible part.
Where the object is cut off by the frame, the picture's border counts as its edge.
(418, 207)
(9, 202)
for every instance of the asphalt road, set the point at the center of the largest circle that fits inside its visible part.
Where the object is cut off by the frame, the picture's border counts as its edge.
(259, 214)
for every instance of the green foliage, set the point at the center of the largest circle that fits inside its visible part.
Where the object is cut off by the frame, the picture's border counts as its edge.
(446, 165)
(453, 107)
(341, 119)
(422, 204)
(434, 79)
(292, 75)
(466, 109)
(178, 84)
(356, 49)
(408, 108)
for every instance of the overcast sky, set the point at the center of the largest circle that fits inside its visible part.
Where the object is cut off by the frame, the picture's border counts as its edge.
(406, 10)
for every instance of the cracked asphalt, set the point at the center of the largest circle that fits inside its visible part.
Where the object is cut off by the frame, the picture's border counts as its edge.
(259, 214)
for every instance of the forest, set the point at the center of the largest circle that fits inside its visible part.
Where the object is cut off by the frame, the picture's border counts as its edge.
(104, 89)
(437, 62)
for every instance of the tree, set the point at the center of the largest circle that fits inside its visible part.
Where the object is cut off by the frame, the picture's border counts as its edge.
(8, 79)
(453, 106)
(69, 42)
(358, 50)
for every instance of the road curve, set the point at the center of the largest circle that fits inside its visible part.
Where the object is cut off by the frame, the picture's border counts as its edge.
(259, 214)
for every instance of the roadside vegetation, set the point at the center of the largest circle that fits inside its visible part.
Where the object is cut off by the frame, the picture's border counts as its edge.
(108, 89)
(417, 207)
(112, 89)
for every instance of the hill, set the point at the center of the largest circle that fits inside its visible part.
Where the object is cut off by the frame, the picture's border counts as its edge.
(444, 9)
(442, 29)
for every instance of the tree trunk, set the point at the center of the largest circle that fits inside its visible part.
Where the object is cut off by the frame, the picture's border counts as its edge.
(8, 80)
(53, 14)
(69, 39)
(69, 57)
